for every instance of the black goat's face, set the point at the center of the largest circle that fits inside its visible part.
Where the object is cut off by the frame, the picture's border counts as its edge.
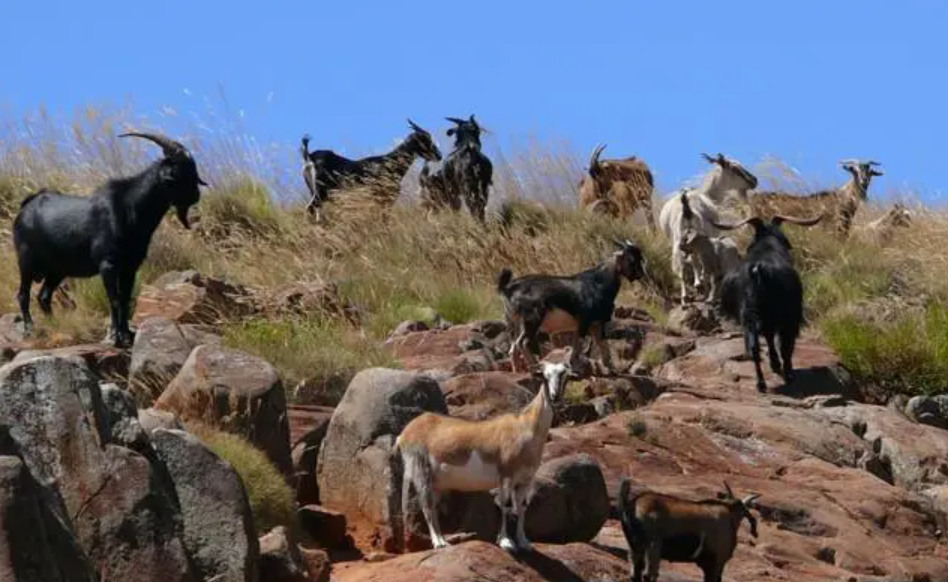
(180, 175)
(629, 261)
(423, 144)
(465, 131)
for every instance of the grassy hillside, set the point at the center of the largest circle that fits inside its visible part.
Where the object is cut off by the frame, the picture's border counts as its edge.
(884, 308)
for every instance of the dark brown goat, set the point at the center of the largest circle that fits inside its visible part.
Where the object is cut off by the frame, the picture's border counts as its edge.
(618, 187)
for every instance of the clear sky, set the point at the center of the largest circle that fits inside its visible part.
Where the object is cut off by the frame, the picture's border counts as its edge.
(809, 82)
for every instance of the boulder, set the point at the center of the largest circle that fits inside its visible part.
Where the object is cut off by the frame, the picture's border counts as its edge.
(150, 419)
(217, 520)
(440, 350)
(108, 363)
(571, 502)
(357, 473)
(930, 410)
(693, 318)
(189, 297)
(316, 562)
(308, 426)
(124, 427)
(236, 391)
(161, 349)
(324, 526)
(280, 560)
(36, 544)
(487, 394)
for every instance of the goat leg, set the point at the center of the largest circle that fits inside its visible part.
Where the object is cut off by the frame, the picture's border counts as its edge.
(23, 296)
(752, 344)
(45, 298)
(520, 503)
(503, 539)
(772, 353)
(788, 341)
(603, 347)
(653, 558)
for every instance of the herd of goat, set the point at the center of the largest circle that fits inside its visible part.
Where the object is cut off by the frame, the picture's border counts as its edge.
(58, 235)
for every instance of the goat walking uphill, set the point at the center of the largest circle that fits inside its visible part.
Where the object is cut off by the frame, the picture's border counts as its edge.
(467, 172)
(700, 208)
(840, 204)
(619, 187)
(440, 453)
(325, 171)
(766, 295)
(59, 235)
(582, 303)
(662, 527)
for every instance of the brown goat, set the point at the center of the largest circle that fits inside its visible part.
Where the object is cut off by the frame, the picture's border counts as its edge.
(659, 526)
(839, 204)
(618, 187)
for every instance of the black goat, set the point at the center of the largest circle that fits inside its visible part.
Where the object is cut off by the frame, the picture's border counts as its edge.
(581, 303)
(433, 192)
(766, 295)
(468, 173)
(59, 235)
(325, 171)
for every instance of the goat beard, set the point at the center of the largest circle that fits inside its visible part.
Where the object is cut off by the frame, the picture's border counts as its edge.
(182, 212)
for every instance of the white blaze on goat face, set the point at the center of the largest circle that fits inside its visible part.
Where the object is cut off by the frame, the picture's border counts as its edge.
(555, 376)
(475, 475)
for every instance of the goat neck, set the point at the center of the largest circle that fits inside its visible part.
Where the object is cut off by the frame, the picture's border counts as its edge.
(402, 157)
(146, 203)
(712, 189)
(539, 413)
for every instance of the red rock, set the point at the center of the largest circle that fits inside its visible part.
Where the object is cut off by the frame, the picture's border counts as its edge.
(189, 297)
(487, 394)
(440, 350)
(317, 563)
(325, 526)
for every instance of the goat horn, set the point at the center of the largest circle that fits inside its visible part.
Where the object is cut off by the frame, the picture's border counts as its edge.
(728, 489)
(168, 146)
(749, 500)
(455, 120)
(873, 163)
(777, 219)
(594, 159)
(848, 162)
(708, 158)
(752, 220)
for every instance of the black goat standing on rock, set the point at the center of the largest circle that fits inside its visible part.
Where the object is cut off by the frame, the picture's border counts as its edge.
(325, 170)
(60, 235)
(468, 173)
(766, 295)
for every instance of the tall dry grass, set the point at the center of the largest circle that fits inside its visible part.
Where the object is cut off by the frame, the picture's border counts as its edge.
(396, 262)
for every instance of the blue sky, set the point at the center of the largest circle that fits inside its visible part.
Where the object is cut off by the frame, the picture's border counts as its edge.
(809, 82)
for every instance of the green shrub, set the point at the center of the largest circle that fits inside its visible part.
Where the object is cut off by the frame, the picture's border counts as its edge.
(271, 499)
(908, 355)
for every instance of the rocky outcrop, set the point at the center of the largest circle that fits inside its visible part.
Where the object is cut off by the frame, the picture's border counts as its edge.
(571, 502)
(162, 346)
(487, 394)
(357, 472)
(189, 297)
(106, 362)
(236, 391)
(217, 521)
(308, 427)
(457, 350)
(280, 559)
(930, 410)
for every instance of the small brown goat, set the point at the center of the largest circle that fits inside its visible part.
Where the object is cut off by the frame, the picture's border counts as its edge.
(839, 204)
(618, 187)
(883, 228)
(658, 527)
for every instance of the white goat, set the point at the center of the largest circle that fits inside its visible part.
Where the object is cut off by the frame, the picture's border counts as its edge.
(440, 453)
(711, 257)
(698, 208)
(883, 228)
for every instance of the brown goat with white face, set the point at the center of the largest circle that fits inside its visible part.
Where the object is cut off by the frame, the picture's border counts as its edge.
(659, 526)
(618, 187)
(839, 204)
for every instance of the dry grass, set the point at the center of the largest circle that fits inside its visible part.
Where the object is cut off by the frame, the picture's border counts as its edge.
(397, 263)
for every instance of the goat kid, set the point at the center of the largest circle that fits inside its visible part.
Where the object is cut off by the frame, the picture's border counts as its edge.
(582, 303)
(619, 187)
(882, 229)
(440, 453)
(658, 527)
(59, 235)
(468, 173)
(840, 204)
(700, 207)
(766, 295)
(325, 171)
(711, 259)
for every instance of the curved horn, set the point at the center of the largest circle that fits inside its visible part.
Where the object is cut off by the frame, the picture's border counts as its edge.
(708, 158)
(849, 162)
(749, 500)
(472, 119)
(753, 220)
(168, 146)
(455, 120)
(728, 489)
(873, 163)
(594, 159)
(777, 219)
(414, 125)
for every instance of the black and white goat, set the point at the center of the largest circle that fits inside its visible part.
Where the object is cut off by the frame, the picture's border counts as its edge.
(766, 295)
(58, 235)
(582, 303)
(662, 527)
(467, 172)
(325, 171)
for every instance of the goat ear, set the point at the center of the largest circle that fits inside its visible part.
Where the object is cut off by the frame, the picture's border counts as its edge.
(876, 173)
(167, 173)
(450, 132)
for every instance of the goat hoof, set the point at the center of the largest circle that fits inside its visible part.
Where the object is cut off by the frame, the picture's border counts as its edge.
(124, 339)
(507, 545)
(762, 387)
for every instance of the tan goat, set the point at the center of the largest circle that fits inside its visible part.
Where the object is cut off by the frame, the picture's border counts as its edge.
(658, 527)
(440, 453)
(841, 204)
(883, 228)
(618, 187)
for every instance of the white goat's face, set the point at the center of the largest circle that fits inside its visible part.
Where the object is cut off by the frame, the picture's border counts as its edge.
(732, 176)
(688, 240)
(555, 376)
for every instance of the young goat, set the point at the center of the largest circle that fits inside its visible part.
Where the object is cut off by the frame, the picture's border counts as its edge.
(699, 209)
(711, 258)
(619, 187)
(883, 228)
(662, 527)
(59, 235)
(441, 453)
(467, 172)
(840, 204)
(766, 295)
(325, 171)
(582, 303)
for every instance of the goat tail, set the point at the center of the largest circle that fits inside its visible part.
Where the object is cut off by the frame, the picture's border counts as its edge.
(631, 526)
(304, 148)
(686, 212)
(622, 502)
(503, 280)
